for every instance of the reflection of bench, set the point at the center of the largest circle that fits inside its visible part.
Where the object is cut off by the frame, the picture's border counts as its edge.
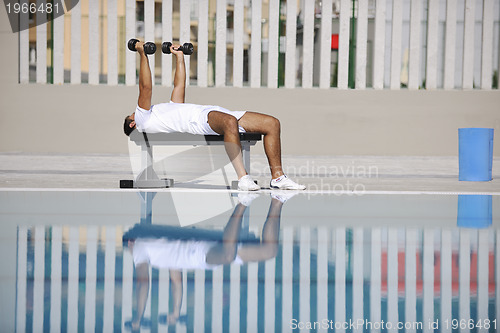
(148, 177)
(149, 231)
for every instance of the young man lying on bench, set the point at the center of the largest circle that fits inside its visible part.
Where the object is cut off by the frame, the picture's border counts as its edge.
(178, 116)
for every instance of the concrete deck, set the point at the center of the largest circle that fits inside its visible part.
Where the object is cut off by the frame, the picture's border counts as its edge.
(338, 173)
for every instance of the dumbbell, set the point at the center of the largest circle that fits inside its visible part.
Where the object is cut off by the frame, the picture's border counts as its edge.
(186, 48)
(149, 47)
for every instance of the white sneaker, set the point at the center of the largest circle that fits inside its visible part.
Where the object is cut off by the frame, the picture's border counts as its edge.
(246, 199)
(283, 196)
(246, 183)
(285, 183)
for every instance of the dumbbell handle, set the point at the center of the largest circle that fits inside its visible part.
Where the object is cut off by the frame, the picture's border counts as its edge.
(186, 48)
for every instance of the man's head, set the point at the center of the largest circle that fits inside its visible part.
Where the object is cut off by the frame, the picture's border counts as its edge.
(129, 124)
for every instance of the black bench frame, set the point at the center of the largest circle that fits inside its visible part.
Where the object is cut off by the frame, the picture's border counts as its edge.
(148, 177)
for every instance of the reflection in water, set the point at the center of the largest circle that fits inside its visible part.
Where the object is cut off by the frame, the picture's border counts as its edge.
(178, 249)
(351, 279)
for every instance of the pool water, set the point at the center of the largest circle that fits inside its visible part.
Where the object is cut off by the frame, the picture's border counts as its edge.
(201, 261)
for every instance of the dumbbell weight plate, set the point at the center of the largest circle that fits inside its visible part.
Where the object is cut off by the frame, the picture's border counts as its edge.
(187, 48)
(149, 48)
(131, 44)
(165, 47)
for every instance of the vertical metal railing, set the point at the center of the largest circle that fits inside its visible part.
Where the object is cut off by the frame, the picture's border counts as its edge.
(446, 277)
(411, 240)
(340, 276)
(308, 44)
(76, 48)
(91, 278)
(270, 295)
(345, 260)
(392, 277)
(434, 61)
(291, 44)
(199, 300)
(432, 45)
(220, 44)
(305, 275)
(464, 297)
(428, 278)
(203, 19)
(56, 280)
(256, 47)
(273, 48)
(343, 54)
(326, 44)
(73, 279)
(287, 278)
(376, 276)
(414, 48)
(322, 276)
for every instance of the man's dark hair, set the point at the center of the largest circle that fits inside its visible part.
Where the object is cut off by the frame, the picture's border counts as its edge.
(126, 126)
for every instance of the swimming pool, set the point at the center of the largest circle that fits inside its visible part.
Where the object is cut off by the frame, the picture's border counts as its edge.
(83, 261)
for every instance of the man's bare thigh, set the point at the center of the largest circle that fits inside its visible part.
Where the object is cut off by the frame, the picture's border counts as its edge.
(255, 122)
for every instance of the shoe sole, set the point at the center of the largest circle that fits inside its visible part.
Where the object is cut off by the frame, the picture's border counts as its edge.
(239, 189)
(287, 189)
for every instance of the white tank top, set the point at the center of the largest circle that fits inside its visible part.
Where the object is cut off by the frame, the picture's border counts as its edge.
(171, 117)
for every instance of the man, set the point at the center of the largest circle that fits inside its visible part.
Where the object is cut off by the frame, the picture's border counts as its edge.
(178, 116)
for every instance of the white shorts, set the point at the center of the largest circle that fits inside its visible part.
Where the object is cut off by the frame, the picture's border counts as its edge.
(202, 126)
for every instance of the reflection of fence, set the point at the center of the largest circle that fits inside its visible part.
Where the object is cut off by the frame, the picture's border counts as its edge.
(431, 44)
(72, 278)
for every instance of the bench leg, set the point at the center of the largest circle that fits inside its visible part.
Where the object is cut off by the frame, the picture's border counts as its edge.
(147, 162)
(148, 177)
(245, 149)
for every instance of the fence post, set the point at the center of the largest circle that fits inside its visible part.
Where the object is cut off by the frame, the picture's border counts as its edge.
(239, 19)
(487, 46)
(450, 40)
(343, 55)
(255, 47)
(415, 45)
(76, 41)
(361, 44)
(468, 49)
(379, 45)
(220, 44)
(432, 44)
(291, 43)
(326, 44)
(397, 27)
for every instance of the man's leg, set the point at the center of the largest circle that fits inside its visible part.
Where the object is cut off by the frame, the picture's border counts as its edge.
(227, 125)
(270, 127)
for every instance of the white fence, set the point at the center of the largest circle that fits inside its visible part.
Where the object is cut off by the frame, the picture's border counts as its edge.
(422, 273)
(383, 44)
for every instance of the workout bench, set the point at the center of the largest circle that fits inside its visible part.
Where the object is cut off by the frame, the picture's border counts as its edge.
(148, 177)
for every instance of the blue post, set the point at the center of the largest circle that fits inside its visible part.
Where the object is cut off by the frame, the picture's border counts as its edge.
(475, 154)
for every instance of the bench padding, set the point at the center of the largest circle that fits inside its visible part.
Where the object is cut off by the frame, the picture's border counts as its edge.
(186, 138)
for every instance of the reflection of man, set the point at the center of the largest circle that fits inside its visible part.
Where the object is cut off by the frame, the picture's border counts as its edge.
(177, 254)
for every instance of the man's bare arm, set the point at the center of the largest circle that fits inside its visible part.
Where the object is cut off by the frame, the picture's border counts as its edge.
(145, 81)
(179, 91)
